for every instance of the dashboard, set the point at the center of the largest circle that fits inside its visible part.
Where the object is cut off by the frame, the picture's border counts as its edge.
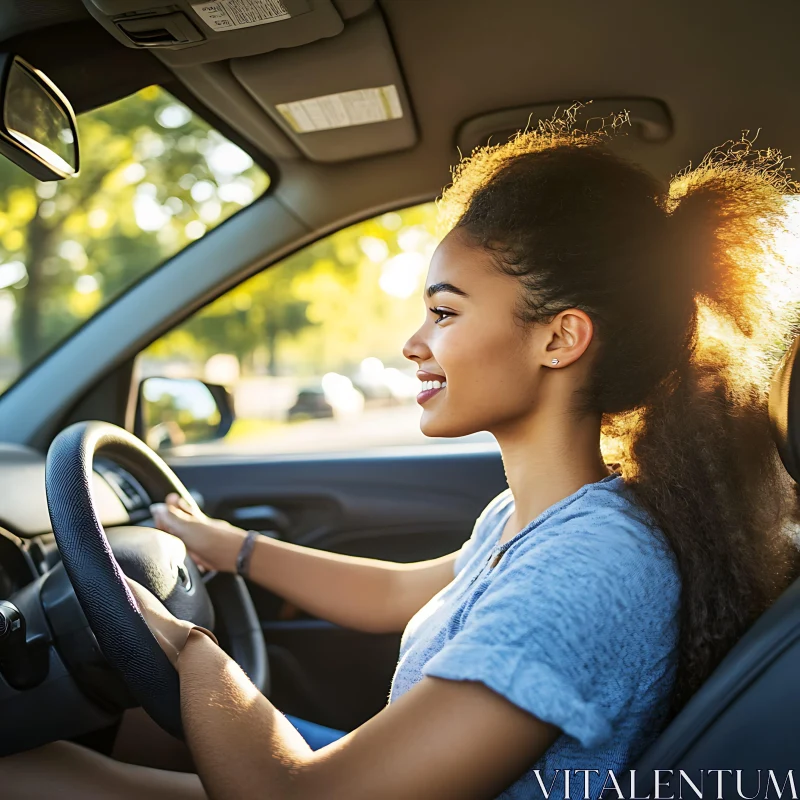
(27, 544)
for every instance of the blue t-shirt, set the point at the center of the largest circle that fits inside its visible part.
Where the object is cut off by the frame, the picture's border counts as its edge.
(576, 624)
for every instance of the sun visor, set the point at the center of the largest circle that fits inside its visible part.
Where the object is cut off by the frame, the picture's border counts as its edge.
(188, 32)
(338, 98)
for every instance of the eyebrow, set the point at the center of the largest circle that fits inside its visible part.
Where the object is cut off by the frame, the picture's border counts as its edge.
(435, 288)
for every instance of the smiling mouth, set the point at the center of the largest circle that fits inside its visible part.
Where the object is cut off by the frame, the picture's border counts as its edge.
(426, 394)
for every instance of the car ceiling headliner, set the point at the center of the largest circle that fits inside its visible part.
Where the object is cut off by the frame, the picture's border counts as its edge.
(719, 68)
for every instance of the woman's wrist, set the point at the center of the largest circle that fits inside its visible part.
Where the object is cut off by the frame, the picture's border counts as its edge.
(198, 641)
(228, 547)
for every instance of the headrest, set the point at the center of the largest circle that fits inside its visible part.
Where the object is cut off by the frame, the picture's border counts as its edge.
(784, 410)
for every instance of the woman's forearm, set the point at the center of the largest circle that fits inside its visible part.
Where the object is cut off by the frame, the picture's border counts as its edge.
(365, 594)
(243, 748)
(358, 593)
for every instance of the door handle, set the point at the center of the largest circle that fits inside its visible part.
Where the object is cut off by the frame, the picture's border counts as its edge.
(267, 519)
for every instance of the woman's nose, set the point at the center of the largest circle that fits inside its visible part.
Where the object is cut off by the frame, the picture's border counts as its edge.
(415, 348)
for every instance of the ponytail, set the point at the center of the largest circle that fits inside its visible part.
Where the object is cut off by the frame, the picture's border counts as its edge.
(702, 460)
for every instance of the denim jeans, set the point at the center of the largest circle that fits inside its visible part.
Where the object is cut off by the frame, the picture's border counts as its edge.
(316, 736)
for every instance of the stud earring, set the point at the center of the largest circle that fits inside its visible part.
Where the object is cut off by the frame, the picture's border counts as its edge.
(554, 361)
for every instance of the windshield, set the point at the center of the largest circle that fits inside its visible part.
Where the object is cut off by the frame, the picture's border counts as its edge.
(153, 177)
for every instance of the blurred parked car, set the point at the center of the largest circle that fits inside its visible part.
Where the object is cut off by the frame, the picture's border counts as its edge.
(311, 402)
(334, 396)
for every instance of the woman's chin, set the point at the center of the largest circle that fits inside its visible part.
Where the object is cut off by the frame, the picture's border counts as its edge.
(440, 429)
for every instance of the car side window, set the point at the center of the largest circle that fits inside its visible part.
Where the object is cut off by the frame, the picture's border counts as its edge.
(154, 176)
(309, 350)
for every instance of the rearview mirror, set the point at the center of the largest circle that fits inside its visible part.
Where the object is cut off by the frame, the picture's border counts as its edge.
(38, 131)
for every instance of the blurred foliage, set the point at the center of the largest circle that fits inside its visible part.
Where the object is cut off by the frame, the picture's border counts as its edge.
(154, 176)
(352, 295)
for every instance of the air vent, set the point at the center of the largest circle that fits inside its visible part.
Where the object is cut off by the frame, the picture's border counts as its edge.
(125, 486)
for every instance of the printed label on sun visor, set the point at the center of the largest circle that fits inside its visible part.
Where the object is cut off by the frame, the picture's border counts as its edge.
(228, 15)
(343, 109)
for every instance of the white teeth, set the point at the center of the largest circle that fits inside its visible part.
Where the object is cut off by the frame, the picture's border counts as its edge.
(428, 385)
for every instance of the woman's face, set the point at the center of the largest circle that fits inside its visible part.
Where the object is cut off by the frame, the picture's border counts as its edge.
(490, 363)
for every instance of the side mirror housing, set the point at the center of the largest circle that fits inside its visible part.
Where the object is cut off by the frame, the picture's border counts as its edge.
(38, 131)
(175, 411)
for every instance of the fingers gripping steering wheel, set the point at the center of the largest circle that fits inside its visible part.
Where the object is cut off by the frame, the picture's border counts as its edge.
(154, 558)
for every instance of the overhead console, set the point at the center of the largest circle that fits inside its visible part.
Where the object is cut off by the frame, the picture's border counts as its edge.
(313, 78)
(195, 32)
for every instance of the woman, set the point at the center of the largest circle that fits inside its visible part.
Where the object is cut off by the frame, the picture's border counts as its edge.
(574, 300)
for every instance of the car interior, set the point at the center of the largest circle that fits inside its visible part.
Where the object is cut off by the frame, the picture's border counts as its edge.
(354, 110)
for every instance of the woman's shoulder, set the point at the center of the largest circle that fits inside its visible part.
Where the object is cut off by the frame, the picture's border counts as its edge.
(610, 510)
(604, 533)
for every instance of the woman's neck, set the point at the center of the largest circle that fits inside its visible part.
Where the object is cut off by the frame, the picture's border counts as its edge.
(548, 458)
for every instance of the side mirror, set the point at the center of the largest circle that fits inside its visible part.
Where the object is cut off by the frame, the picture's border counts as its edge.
(38, 131)
(174, 411)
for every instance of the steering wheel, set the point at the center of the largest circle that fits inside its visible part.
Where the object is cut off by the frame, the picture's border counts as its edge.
(94, 561)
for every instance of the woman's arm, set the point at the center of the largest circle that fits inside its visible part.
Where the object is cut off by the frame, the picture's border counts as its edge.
(442, 739)
(365, 594)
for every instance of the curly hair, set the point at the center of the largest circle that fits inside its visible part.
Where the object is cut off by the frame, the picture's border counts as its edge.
(693, 301)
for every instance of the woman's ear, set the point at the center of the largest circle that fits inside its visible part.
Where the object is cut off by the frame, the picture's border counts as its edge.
(570, 334)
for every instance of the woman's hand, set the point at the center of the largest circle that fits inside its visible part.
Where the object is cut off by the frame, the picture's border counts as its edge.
(170, 632)
(212, 543)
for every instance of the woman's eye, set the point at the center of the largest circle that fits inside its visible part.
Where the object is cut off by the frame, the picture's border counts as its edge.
(442, 314)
